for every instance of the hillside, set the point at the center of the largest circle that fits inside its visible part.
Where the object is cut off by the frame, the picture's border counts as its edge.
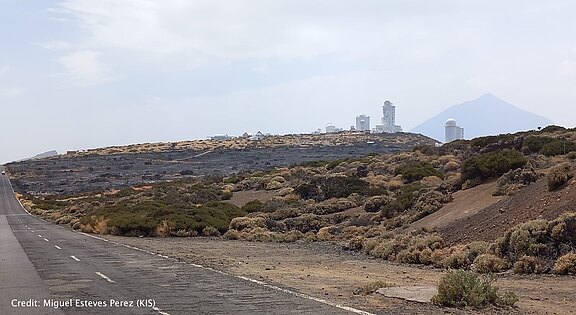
(119, 167)
(468, 204)
(486, 115)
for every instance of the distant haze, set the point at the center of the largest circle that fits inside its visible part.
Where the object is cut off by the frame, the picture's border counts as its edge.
(78, 74)
(487, 115)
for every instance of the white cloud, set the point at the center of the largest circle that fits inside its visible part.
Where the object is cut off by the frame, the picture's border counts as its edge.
(568, 67)
(84, 68)
(55, 45)
(206, 32)
(12, 92)
(4, 69)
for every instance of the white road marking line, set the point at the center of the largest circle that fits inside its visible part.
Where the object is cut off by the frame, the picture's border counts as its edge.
(92, 236)
(300, 295)
(74, 257)
(58, 247)
(105, 277)
(305, 296)
(160, 311)
(46, 240)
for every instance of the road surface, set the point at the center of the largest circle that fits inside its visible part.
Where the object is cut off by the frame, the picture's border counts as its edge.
(48, 269)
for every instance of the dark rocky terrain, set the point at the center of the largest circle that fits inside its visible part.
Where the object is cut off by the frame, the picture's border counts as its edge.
(92, 171)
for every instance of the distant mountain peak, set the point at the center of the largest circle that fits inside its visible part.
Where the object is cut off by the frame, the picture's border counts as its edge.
(486, 115)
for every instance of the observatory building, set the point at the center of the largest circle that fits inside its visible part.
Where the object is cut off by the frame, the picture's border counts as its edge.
(388, 119)
(453, 131)
(362, 123)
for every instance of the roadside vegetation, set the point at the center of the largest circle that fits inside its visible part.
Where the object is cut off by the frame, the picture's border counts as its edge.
(366, 204)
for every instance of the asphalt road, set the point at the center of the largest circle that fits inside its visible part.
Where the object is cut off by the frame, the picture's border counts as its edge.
(47, 269)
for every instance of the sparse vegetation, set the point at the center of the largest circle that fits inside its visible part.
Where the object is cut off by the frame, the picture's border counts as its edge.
(566, 264)
(493, 164)
(559, 175)
(373, 286)
(414, 171)
(459, 288)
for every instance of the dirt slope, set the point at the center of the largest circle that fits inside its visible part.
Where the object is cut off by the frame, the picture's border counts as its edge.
(532, 202)
(466, 203)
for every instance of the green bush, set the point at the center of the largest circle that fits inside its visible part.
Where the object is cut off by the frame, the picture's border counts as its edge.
(546, 240)
(253, 206)
(323, 188)
(493, 164)
(535, 143)
(482, 142)
(459, 288)
(414, 171)
(557, 147)
(404, 199)
(145, 218)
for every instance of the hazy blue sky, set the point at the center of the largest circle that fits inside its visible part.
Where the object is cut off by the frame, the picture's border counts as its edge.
(79, 74)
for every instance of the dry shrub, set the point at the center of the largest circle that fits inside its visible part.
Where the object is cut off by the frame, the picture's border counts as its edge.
(523, 239)
(328, 233)
(162, 229)
(184, 233)
(566, 264)
(260, 235)
(451, 166)
(285, 192)
(445, 159)
(488, 263)
(330, 206)
(528, 265)
(378, 231)
(293, 236)
(379, 168)
(461, 288)
(395, 184)
(232, 234)
(378, 181)
(559, 175)
(372, 287)
(247, 223)
(210, 231)
(428, 203)
(274, 185)
(356, 243)
(353, 231)
(285, 214)
(306, 223)
(376, 203)
(406, 248)
(462, 256)
(279, 179)
(514, 180)
(356, 199)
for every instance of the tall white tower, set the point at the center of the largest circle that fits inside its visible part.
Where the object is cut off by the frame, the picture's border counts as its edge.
(389, 119)
(453, 131)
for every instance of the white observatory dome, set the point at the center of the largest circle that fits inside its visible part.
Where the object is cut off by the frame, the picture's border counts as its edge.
(451, 122)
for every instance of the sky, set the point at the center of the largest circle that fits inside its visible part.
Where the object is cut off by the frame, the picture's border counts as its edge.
(79, 74)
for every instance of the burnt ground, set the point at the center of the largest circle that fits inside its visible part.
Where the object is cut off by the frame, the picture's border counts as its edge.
(65, 175)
